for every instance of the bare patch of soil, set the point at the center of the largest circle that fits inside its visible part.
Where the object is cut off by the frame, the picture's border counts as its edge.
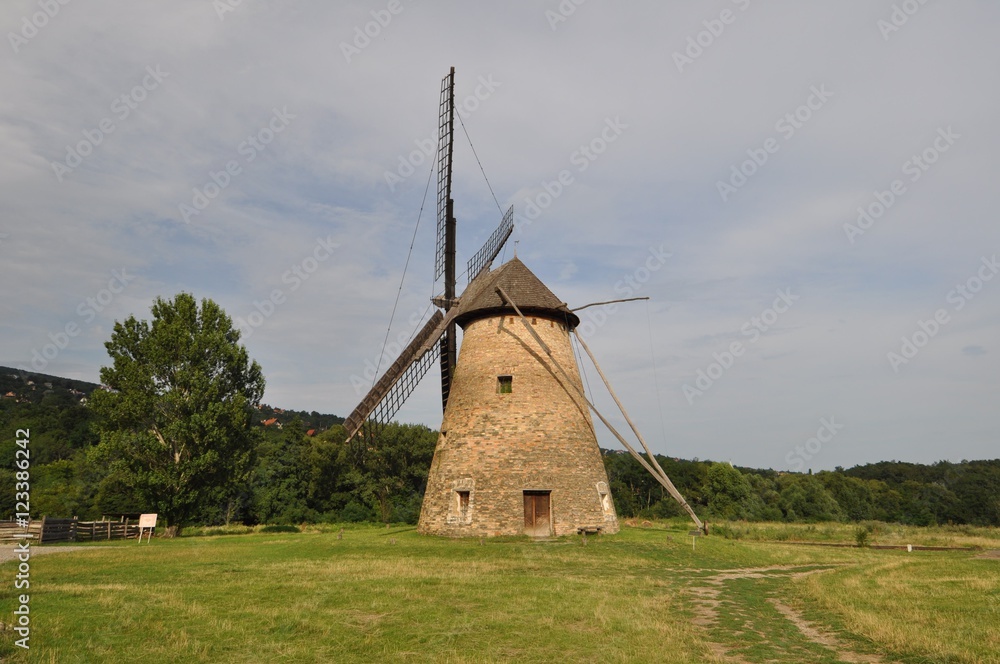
(823, 638)
(10, 552)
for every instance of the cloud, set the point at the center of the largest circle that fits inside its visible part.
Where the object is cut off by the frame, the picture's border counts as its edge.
(324, 176)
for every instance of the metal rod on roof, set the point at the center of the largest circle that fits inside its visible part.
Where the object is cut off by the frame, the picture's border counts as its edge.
(594, 304)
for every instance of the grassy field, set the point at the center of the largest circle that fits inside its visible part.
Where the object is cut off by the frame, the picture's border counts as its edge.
(392, 595)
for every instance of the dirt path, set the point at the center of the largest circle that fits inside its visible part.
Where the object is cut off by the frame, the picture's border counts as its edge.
(9, 552)
(823, 638)
(716, 609)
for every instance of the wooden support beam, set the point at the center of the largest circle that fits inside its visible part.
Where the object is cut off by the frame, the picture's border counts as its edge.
(579, 393)
(661, 476)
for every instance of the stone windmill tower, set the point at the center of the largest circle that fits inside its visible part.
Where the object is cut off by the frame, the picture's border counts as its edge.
(517, 452)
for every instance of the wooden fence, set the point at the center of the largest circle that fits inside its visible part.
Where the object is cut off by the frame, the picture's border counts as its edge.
(88, 531)
(49, 529)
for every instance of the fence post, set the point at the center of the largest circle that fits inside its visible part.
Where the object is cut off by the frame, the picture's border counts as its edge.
(72, 529)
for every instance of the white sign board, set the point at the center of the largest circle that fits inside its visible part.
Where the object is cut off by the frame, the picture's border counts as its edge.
(147, 521)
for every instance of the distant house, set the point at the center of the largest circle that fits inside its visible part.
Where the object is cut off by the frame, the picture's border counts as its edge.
(267, 423)
(311, 432)
(10, 395)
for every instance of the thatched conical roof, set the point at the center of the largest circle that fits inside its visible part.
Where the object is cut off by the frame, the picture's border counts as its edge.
(482, 298)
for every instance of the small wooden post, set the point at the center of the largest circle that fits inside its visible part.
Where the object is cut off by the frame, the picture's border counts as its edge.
(41, 532)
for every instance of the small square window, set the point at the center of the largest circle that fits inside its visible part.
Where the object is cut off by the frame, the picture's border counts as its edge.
(505, 384)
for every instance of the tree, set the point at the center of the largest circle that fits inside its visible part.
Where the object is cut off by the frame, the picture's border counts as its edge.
(390, 474)
(729, 492)
(282, 476)
(176, 418)
(804, 498)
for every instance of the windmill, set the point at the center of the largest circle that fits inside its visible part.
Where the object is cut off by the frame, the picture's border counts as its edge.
(517, 452)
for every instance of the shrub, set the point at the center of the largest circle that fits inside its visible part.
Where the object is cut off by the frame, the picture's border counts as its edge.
(355, 512)
(280, 529)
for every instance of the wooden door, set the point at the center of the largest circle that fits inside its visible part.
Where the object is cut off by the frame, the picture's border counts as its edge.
(537, 514)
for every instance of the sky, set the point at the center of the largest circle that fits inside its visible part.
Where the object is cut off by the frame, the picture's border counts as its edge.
(806, 193)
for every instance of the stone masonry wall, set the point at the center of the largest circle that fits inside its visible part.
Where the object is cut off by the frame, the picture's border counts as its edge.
(496, 446)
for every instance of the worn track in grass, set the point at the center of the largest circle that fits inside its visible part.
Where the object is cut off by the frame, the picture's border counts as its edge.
(747, 621)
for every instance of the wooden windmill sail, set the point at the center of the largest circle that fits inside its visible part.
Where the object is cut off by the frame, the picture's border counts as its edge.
(517, 452)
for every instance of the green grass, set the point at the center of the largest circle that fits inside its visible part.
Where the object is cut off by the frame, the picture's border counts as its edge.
(393, 595)
(926, 607)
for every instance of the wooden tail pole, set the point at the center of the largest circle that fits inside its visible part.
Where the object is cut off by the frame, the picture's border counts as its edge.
(660, 475)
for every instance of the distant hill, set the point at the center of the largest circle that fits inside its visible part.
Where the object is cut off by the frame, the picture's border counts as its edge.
(29, 387)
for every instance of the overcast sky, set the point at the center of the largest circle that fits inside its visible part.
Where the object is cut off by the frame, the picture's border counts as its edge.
(713, 157)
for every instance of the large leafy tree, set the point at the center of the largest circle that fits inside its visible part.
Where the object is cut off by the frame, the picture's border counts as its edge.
(176, 421)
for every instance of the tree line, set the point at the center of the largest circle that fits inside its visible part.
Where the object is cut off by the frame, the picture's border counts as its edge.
(292, 478)
(967, 492)
(176, 429)
(297, 478)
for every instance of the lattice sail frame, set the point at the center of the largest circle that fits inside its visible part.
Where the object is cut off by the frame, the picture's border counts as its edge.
(445, 145)
(400, 392)
(398, 382)
(484, 257)
(435, 342)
